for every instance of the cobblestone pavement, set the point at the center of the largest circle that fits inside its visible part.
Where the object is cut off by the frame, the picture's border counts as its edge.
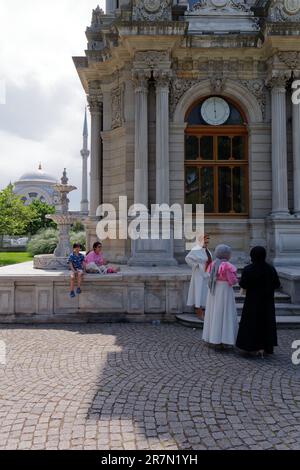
(143, 387)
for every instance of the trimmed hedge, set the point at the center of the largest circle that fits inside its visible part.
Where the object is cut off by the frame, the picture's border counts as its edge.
(46, 240)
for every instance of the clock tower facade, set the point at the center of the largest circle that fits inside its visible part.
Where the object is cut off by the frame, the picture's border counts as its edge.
(191, 102)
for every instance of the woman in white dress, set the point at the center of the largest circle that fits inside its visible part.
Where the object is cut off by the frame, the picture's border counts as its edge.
(220, 324)
(199, 259)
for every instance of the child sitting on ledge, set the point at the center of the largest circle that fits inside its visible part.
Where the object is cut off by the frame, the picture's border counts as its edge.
(77, 267)
(95, 262)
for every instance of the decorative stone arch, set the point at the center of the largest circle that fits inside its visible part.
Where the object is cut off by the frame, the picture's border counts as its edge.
(231, 89)
(259, 132)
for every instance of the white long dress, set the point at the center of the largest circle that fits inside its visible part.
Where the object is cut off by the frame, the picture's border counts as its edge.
(197, 259)
(220, 323)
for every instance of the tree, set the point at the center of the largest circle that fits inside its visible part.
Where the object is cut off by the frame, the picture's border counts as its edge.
(38, 221)
(14, 215)
(78, 226)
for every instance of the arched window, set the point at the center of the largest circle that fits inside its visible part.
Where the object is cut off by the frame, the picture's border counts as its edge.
(216, 157)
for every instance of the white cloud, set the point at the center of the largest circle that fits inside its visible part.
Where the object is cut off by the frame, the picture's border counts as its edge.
(43, 115)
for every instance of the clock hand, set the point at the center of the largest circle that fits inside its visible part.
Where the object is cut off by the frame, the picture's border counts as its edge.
(215, 108)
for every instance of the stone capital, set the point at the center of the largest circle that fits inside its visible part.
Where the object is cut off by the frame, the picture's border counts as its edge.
(278, 81)
(140, 80)
(162, 79)
(95, 103)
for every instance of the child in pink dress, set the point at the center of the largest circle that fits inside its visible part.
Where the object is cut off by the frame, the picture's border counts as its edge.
(95, 262)
(220, 323)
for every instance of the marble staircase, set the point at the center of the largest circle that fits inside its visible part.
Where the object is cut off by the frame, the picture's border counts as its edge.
(287, 313)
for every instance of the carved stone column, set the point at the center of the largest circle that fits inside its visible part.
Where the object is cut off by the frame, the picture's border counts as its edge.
(282, 228)
(279, 147)
(141, 138)
(162, 137)
(96, 109)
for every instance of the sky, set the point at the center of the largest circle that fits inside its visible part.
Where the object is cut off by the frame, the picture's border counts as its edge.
(42, 101)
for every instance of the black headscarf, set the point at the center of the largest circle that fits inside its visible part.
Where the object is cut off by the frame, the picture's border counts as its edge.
(258, 254)
(259, 274)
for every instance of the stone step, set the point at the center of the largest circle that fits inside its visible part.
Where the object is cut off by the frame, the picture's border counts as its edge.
(191, 320)
(282, 309)
(280, 297)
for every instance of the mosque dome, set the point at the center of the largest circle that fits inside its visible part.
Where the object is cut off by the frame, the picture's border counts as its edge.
(37, 176)
(37, 184)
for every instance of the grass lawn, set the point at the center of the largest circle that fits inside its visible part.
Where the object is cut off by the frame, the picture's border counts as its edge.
(14, 258)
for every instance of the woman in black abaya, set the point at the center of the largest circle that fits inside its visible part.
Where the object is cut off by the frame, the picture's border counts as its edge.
(257, 331)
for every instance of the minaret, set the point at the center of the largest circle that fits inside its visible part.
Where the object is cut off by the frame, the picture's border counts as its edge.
(84, 205)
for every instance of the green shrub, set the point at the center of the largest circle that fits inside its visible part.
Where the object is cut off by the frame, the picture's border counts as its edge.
(78, 226)
(44, 242)
(78, 237)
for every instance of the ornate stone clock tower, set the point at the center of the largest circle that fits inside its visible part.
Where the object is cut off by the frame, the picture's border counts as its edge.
(191, 102)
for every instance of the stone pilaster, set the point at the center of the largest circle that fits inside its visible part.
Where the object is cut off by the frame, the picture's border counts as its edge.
(279, 147)
(141, 138)
(96, 109)
(162, 137)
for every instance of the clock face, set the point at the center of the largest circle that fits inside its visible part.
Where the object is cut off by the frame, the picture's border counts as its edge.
(215, 111)
(152, 5)
(292, 6)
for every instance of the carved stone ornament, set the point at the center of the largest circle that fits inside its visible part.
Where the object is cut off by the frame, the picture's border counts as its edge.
(152, 10)
(217, 84)
(228, 5)
(117, 106)
(152, 6)
(97, 17)
(151, 59)
(290, 59)
(178, 88)
(285, 10)
(257, 88)
(222, 16)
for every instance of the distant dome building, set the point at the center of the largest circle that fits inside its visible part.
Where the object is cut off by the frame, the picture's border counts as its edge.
(37, 185)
